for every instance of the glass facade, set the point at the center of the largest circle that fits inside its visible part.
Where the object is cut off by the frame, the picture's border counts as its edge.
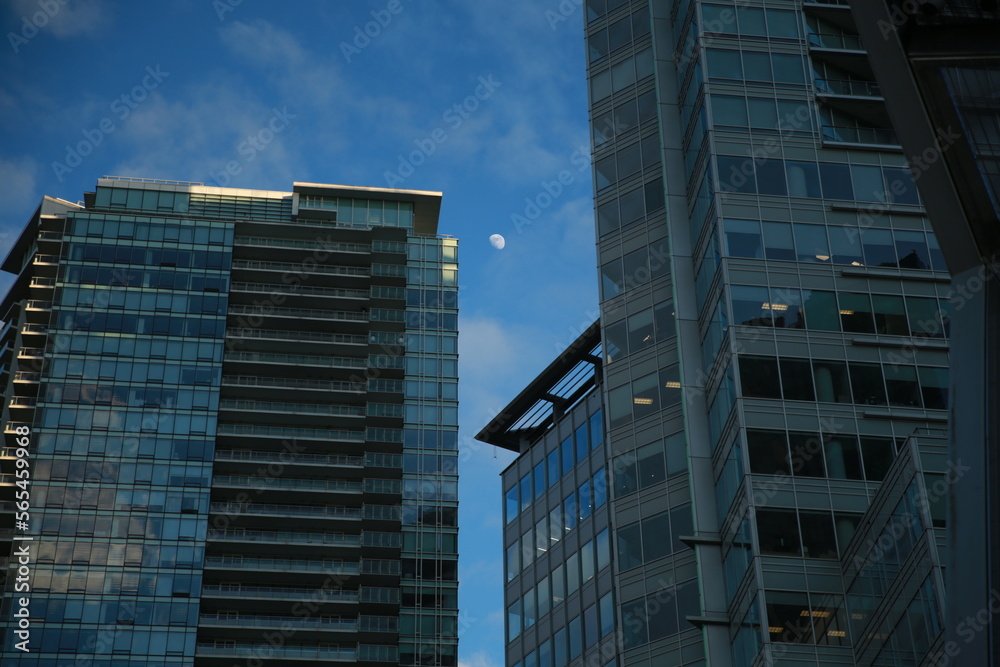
(775, 323)
(239, 411)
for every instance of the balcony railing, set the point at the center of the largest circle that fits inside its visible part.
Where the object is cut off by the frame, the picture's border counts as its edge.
(287, 510)
(308, 408)
(46, 259)
(342, 486)
(300, 244)
(25, 376)
(294, 383)
(320, 623)
(247, 651)
(312, 336)
(829, 40)
(23, 401)
(284, 537)
(294, 268)
(853, 87)
(291, 431)
(297, 359)
(298, 289)
(38, 305)
(312, 313)
(287, 457)
(31, 353)
(282, 564)
(320, 594)
(860, 135)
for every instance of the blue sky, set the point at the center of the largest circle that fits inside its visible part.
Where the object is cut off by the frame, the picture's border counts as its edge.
(174, 90)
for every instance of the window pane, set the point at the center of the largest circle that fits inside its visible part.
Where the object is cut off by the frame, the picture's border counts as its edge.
(759, 377)
(629, 546)
(512, 504)
(778, 241)
(902, 386)
(832, 382)
(821, 310)
(934, 387)
(743, 239)
(810, 243)
(640, 330)
(911, 248)
(806, 454)
(586, 506)
(923, 316)
(796, 380)
(651, 465)
(736, 174)
(856, 313)
(756, 66)
(900, 185)
(878, 247)
(867, 383)
(845, 244)
(784, 617)
(568, 456)
(803, 178)
(587, 562)
(868, 184)
(768, 452)
(513, 557)
(836, 179)
(616, 340)
(600, 488)
(645, 395)
(553, 467)
(675, 447)
(877, 454)
(843, 457)
(751, 306)
(607, 608)
(572, 573)
(582, 446)
(636, 268)
(558, 586)
(681, 525)
(771, 178)
(596, 424)
(778, 533)
(655, 537)
(603, 550)
(787, 68)
(724, 64)
(729, 110)
(539, 479)
(763, 115)
(818, 537)
(786, 306)
(670, 385)
(890, 315)
(625, 474)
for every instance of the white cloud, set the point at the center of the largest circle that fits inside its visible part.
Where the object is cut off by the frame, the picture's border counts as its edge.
(64, 19)
(17, 185)
(479, 659)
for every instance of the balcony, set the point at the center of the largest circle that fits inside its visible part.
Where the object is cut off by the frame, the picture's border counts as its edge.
(287, 484)
(303, 290)
(266, 651)
(296, 336)
(300, 268)
(310, 361)
(284, 432)
(856, 97)
(329, 623)
(293, 383)
(271, 242)
(27, 377)
(31, 353)
(868, 136)
(298, 313)
(23, 402)
(277, 593)
(282, 565)
(285, 511)
(284, 537)
(292, 408)
(287, 458)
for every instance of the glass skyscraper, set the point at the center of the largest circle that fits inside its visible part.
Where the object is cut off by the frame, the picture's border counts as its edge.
(772, 364)
(238, 410)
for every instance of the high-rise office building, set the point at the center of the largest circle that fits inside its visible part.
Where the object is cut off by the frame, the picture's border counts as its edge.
(238, 410)
(773, 364)
(937, 64)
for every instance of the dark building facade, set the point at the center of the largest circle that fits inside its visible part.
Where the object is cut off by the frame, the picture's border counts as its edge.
(773, 342)
(939, 66)
(238, 410)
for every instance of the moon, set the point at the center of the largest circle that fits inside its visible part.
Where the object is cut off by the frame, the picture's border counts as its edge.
(498, 241)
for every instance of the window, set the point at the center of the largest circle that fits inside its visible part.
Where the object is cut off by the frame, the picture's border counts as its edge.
(513, 621)
(640, 330)
(890, 315)
(902, 386)
(600, 488)
(553, 467)
(856, 313)
(778, 533)
(832, 382)
(572, 573)
(655, 537)
(877, 455)
(768, 452)
(582, 446)
(616, 340)
(513, 559)
(630, 546)
(743, 239)
(651, 465)
(736, 174)
(596, 424)
(751, 306)
(796, 380)
(934, 387)
(806, 454)
(878, 247)
(603, 550)
(843, 458)
(568, 457)
(512, 505)
(866, 383)
(607, 609)
(821, 310)
(539, 479)
(778, 241)
(810, 243)
(803, 179)
(771, 173)
(759, 377)
(836, 180)
(525, 486)
(845, 245)
(818, 535)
